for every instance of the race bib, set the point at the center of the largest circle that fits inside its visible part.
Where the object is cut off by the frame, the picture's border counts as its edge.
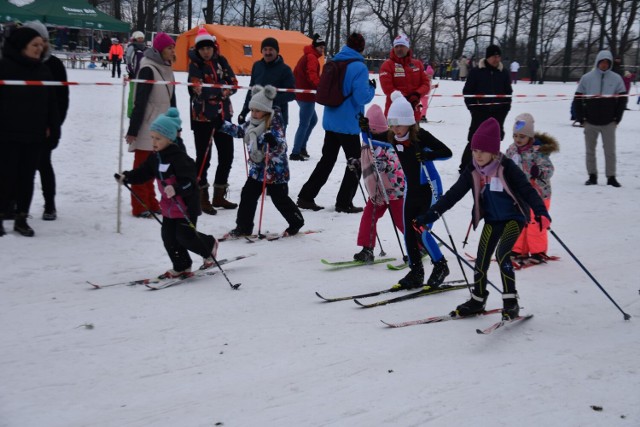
(496, 184)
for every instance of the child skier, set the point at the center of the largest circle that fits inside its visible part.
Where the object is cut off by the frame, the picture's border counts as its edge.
(268, 164)
(175, 173)
(386, 161)
(530, 152)
(502, 196)
(417, 149)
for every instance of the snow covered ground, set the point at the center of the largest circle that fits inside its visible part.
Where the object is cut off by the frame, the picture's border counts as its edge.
(271, 353)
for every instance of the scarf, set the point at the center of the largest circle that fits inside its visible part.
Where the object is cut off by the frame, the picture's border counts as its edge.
(252, 132)
(489, 170)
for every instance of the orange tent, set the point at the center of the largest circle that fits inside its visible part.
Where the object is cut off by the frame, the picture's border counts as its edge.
(241, 45)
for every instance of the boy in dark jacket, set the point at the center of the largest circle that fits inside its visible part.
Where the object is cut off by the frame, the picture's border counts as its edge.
(175, 173)
(502, 196)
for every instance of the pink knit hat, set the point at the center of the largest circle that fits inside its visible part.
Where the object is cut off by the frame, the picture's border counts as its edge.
(161, 41)
(487, 137)
(377, 120)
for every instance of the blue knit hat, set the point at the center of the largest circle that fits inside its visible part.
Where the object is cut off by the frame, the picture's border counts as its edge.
(168, 124)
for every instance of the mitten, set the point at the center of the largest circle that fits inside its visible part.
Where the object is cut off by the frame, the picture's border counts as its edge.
(241, 119)
(270, 139)
(534, 172)
(373, 83)
(428, 218)
(353, 164)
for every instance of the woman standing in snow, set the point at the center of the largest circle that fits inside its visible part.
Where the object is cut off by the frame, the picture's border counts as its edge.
(28, 120)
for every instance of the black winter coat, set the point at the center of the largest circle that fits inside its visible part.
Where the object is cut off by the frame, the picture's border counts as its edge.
(488, 80)
(26, 112)
(59, 73)
(277, 74)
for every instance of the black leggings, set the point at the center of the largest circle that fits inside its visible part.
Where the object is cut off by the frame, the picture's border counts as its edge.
(179, 238)
(498, 236)
(224, 144)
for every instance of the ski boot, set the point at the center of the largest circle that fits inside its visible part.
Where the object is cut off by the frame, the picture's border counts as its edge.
(510, 307)
(439, 273)
(173, 274)
(475, 305)
(365, 255)
(413, 279)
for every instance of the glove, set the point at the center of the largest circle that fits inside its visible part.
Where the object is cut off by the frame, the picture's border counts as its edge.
(241, 119)
(544, 221)
(120, 178)
(425, 156)
(270, 139)
(427, 218)
(373, 83)
(534, 172)
(169, 191)
(414, 99)
(364, 124)
(353, 164)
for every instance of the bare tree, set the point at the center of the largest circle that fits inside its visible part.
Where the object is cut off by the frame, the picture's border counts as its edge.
(616, 20)
(389, 14)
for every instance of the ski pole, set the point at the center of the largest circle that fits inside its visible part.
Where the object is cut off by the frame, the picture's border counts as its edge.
(446, 226)
(117, 176)
(382, 252)
(206, 153)
(453, 251)
(193, 227)
(466, 237)
(368, 137)
(625, 315)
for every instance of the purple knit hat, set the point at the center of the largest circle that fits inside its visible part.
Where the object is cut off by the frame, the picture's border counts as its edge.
(161, 41)
(487, 137)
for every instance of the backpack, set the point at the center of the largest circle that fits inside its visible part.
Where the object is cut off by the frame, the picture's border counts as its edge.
(329, 92)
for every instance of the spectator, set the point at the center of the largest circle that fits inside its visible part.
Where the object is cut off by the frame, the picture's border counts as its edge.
(208, 66)
(489, 77)
(116, 53)
(342, 131)
(271, 70)
(514, 67)
(534, 65)
(29, 121)
(133, 54)
(307, 75)
(403, 73)
(463, 66)
(149, 102)
(45, 168)
(601, 115)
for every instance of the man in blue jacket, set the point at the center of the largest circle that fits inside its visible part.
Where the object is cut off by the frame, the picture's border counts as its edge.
(271, 70)
(343, 131)
(601, 115)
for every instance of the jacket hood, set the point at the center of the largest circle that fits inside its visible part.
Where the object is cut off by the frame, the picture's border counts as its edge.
(604, 54)
(310, 50)
(154, 55)
(484, 64)
(347, 53)
(546, 143)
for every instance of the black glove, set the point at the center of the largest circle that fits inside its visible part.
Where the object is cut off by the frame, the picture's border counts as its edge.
(427, 218)
(414, 99)
(241, 120)
(425, 156)
(217, 121)
(544, 221)
(270, 139)
(353, 164)
(373, 83)
(534, 172)
(120, 178)
(364, 124)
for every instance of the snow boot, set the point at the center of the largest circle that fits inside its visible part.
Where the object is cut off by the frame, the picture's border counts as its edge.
(510, 307)
(304, 153)
(413, 279)
(308, 204)
(49, 213)
(365, 255)
(439, 273)
(593, 180)
(219, 194)
(20, 225)
(475, 305)
(205, 204)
